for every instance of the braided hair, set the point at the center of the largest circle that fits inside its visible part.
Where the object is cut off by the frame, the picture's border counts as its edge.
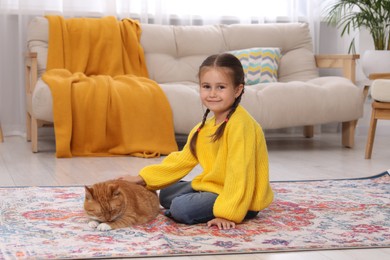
(236, 72)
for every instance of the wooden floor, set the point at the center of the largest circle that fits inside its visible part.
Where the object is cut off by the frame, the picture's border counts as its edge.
(292, 157)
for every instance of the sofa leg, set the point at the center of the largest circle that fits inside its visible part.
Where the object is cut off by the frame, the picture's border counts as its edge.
(308, 131)
(1, 135)
(348, 133)
(34, 135)
(28, 127)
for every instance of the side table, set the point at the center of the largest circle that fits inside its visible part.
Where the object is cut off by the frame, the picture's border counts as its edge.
(380, 106)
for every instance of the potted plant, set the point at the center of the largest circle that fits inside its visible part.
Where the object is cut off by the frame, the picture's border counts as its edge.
(374, 15)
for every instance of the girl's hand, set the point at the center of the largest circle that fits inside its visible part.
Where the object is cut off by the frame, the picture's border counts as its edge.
(134, 179)
(221, 223)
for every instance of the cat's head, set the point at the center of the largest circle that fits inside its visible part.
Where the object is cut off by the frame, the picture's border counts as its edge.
(104, 202)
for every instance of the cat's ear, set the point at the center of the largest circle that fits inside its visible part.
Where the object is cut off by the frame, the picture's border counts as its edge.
(114, 189)
(88, 193)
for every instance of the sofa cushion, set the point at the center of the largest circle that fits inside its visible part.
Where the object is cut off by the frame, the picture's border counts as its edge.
(274, 105)
(260, 64)
(186, 106)
(317, 101)
(174, 53)
(380, 90)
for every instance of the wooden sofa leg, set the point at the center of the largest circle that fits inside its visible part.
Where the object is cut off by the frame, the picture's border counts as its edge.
(308, 131)
(348, 133)
(348, 128)
(28, 127)
(34, 135)
(1, 135)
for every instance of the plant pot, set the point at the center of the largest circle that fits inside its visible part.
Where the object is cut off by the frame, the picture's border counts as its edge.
(375, 61)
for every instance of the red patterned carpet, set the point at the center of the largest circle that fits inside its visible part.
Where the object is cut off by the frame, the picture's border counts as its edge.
(48, 222)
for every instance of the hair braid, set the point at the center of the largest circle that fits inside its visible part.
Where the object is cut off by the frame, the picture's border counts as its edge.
(221, 129)
(195, 136)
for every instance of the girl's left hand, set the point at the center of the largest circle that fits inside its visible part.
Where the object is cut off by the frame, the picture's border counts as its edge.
(221, 223)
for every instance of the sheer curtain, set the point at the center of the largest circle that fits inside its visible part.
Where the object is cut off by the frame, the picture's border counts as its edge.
(15, 15)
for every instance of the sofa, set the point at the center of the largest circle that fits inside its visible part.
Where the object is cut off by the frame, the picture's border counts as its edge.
(298, 97)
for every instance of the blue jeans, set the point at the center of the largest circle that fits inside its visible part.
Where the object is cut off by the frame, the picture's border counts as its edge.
(188, 206)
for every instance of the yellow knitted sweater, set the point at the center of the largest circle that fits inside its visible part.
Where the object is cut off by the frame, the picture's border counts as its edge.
(235, 167)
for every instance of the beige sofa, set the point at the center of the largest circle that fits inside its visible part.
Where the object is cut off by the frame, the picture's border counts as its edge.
(174, 53)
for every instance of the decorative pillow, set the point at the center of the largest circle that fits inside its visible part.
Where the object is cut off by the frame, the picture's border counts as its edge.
(260, 64)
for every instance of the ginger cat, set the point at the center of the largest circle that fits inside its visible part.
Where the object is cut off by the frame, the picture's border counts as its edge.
(117, 204)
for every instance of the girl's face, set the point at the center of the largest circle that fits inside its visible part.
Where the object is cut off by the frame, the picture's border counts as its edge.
(217, 92)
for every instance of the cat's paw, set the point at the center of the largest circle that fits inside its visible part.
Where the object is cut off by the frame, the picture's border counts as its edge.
(93, 224)
(103, 227)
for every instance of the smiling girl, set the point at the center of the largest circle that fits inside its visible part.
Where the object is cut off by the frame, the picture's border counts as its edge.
(230, 148)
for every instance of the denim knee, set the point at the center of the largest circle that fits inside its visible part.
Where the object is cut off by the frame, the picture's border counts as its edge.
(180, 213)
(185, 209)
(168, 194)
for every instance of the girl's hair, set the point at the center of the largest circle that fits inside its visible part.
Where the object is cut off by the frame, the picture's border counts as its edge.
(234, 69)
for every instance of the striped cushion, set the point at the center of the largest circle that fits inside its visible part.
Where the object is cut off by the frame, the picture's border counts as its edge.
(260, 64)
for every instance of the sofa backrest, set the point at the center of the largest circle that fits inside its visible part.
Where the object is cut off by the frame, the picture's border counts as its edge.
(174, 53)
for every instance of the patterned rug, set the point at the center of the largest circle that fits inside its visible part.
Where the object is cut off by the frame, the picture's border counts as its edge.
(48, 222)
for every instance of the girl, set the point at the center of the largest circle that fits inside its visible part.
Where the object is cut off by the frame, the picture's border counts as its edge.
(231, 149)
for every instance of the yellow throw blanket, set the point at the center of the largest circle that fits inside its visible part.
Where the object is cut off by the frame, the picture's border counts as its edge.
(103, 102)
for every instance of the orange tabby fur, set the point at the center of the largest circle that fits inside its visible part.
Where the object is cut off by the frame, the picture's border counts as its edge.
(120, 204)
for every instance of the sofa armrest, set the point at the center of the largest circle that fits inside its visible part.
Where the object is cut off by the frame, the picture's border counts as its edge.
(379, 76)
(31, 78)
(345, 62)
(31, 71)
